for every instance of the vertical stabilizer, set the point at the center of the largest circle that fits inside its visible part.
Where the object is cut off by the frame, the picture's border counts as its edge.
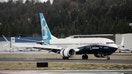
(46, 34)
(122, 41)
(5, 38)
(12, 41)
(121, 45)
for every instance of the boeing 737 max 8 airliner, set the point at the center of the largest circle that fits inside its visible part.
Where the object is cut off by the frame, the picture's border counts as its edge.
(68, 47)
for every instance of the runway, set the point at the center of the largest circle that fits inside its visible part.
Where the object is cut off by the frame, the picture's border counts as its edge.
(30, 59)
(68, 72)
(42, 57)
(94, 61)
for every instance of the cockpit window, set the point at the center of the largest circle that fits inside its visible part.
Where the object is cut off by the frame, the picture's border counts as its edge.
(109, 42)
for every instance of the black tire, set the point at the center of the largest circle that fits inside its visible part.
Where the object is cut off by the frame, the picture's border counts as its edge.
(84, 57)
(65, 58)
(108, 58)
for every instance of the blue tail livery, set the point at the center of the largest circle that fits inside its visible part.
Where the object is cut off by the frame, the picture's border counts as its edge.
(46, 34)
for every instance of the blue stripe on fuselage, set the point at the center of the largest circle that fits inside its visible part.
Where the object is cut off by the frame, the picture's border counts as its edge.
(93, 49)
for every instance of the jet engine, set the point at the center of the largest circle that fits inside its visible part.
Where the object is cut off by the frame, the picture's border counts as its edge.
(68, 52)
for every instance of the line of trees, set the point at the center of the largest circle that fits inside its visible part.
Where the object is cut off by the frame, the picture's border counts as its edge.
(66, 17)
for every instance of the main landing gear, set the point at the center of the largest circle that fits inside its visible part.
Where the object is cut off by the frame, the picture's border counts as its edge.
(108, 58)
(65, 58)
(84, 56)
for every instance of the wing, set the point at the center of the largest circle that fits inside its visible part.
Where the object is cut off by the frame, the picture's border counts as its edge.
(51, 48)
(55, 48)
(47, 47)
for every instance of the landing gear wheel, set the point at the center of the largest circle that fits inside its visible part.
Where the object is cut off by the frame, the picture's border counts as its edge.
(108, 58)
(65, 58)
(84, 57)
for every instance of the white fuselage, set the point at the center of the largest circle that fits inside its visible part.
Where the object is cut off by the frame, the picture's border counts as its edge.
(78, 42)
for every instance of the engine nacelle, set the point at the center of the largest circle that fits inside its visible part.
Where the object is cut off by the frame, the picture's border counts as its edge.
(68, 52)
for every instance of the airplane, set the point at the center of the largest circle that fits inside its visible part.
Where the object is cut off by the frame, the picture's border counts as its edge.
(122, 47)
(69, 46)
(5, 44)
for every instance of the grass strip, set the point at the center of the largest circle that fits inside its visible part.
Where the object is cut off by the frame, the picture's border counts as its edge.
(61, 66)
